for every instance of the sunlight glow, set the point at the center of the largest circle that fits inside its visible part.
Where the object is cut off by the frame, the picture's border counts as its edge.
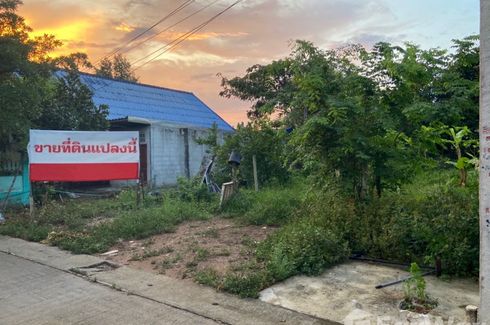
(74, 31)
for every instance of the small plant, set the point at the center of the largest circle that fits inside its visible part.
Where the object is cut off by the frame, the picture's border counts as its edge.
(246, 284)
(208, 277)
(202, 254)
(177, 258)
(416, 298)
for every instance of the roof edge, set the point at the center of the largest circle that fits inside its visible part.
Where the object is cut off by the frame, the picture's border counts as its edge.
(130, 82)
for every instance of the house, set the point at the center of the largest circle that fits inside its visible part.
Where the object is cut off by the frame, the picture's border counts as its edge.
(169, 123)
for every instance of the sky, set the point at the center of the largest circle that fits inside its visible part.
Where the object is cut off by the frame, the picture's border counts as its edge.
(252, 32)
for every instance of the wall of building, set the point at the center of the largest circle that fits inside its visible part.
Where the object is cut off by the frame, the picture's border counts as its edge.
(168, 153)
(19, 186)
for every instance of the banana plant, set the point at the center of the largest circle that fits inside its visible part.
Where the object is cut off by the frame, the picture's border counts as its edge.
(460, 143)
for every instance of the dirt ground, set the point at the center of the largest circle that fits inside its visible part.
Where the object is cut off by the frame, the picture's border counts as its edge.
(219, 244)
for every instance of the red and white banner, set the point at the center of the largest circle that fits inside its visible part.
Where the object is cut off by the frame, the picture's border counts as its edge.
(77, 156)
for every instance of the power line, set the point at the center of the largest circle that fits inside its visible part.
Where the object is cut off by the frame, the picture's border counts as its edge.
(172, 13)
(171, 26)
(182, 38)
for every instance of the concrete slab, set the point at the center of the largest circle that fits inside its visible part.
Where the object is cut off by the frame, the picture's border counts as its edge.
(32, 293)
(188, 297)
(350, 288)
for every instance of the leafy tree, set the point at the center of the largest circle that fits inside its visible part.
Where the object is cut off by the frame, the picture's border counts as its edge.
(70, 107)
(23, 72)
(364, 115)
(258, 138)
(30, 97)
(119, 68)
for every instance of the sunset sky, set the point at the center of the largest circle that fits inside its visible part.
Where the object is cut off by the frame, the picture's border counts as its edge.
(255, 31)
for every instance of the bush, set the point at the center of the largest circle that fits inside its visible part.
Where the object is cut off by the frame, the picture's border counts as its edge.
(269, 206)
(246, 285)
(432, 217)
(302, 247)
(262, 140)
(25, 229)
(193, 190)
(208, 277)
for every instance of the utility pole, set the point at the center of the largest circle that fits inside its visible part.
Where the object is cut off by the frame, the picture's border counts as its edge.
(484, 310)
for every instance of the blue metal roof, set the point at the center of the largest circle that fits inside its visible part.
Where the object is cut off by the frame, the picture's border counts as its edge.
(130, 99)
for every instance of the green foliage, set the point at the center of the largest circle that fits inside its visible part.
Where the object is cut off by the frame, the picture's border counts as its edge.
(246, 285)
(430, 218)
(415, 296)
(305, 246)
(29, 96)
(414, 288)
(261, 140)
(269, 206)
(117, 68)
(208, 277)
(193, 190)
(25, 229)
(93, 226)
(70, 106)
(363, 115)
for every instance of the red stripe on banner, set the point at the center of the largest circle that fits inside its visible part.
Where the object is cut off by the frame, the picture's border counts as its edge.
(83, 172)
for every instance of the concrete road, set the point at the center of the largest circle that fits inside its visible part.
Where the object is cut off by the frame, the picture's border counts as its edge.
(31, 293)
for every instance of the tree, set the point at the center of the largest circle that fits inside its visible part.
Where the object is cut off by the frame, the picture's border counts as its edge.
(364, 115)
(70, 106)
(30, 97)
(119, 68)
(257, 138)
(23, 72)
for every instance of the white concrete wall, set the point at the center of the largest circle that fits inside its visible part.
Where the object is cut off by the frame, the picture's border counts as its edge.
(167, 153)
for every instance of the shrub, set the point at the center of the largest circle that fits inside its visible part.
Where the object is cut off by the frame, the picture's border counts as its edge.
(415, 297)
(208, 277)
(246, 285)
(430, 218)
(270, 206)
(302, 247)
(193, 190)
(25, 229)
(264, 141)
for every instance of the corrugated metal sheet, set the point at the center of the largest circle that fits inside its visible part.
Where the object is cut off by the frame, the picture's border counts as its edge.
(126, 99)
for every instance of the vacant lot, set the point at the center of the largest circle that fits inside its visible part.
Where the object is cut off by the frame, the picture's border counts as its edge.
(197, 246)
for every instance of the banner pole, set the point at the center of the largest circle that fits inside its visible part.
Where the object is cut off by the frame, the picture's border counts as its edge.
(31, 201)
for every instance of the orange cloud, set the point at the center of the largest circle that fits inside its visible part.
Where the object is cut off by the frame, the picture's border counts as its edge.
(123, 27)
(67, 33)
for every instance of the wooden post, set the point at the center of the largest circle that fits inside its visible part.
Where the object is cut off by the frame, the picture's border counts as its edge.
(484, 312)
(471, 314)
(256, 181)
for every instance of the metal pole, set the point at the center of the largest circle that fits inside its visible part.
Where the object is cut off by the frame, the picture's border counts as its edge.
(256, 180)
(484, 311)
(32, 207)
